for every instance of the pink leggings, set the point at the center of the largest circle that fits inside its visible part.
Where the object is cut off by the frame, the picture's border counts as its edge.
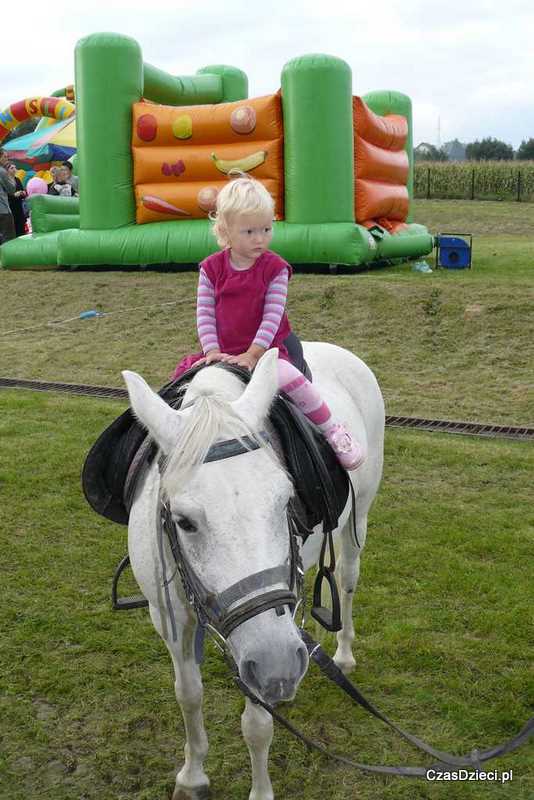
(303, 394)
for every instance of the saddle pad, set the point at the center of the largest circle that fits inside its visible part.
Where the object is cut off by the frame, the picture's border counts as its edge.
(108, 462)
(321, 484)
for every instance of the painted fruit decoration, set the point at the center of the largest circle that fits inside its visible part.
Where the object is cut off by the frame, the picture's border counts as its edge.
(243, 164)
(207, 198)
(243, 119)
(182, 127)
(173, 169)
(153, 203)
(147, 127)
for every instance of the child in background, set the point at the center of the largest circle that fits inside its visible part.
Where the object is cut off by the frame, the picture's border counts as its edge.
(241, 300)
(61, 185)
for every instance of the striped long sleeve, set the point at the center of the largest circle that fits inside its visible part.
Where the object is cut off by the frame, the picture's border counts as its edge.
(273, 309)
(206, 323)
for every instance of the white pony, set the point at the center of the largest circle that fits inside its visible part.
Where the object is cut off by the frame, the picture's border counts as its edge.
(231, 519)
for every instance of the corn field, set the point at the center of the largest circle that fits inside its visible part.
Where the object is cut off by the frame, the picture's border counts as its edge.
(475, 180)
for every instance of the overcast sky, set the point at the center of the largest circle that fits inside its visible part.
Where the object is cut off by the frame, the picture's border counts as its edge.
(468, 64)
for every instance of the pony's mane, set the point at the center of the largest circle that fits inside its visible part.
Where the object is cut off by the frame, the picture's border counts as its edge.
(209, 414)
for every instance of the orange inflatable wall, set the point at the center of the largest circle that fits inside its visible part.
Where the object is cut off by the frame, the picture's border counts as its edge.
(182, 155)
(381, 168)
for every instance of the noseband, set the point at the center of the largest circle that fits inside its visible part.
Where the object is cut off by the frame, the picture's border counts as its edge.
(218, 612)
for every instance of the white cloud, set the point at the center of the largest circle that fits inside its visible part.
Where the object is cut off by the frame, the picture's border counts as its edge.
(470, 64)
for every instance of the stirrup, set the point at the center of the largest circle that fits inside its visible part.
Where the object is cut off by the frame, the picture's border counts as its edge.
(125, 603)
(328, 618)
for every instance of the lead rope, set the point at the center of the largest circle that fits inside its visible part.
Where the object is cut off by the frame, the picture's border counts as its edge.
(332, 671)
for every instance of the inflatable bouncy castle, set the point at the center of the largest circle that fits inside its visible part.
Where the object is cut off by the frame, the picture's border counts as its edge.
(154, 150)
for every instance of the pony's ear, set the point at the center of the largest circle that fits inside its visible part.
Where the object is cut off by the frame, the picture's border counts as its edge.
(162, 422)
(253, 405)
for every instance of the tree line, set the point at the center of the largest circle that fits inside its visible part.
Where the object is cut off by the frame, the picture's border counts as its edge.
(488, 149)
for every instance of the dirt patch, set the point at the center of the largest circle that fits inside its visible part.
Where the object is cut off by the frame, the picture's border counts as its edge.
(43, 709)
(472, 311)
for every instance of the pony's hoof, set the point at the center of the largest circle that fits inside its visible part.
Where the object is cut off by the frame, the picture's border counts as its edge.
(198, 793)
(346, 665)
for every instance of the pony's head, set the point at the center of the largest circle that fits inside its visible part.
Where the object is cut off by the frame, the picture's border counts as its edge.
(230, 513)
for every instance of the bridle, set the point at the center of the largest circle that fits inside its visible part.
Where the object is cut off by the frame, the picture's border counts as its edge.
(221, 613)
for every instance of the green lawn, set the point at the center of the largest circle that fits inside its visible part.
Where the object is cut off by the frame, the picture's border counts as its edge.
(444, 608)
(443, 617)
(451, 344)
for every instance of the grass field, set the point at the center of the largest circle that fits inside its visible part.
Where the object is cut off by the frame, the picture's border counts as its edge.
(444, 608)
(443, 618)
(448, 344)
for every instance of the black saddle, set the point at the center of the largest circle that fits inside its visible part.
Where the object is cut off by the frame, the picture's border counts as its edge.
(119, 455)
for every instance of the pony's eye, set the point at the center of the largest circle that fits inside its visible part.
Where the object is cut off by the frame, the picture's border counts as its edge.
(186, 525)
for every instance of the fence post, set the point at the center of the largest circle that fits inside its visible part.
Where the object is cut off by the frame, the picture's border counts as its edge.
(473, 184)
(428, 183)
(518, 185)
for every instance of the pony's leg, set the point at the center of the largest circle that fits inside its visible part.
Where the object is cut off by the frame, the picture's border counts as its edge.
(257, 727)
(192, 783)
(350, 572)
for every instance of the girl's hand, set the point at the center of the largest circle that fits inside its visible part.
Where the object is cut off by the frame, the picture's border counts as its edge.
(244, 360)
(213, 355)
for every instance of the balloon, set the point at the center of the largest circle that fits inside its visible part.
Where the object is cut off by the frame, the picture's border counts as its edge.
(36, 186)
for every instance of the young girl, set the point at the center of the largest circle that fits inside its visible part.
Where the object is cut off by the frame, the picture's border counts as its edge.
(241, 301)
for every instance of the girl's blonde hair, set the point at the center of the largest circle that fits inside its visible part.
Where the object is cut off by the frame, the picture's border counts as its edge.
(242, 195)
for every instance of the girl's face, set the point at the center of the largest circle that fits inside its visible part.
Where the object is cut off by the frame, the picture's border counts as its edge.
(249, 236)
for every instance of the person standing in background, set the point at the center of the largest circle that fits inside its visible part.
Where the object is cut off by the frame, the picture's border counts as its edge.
(72, 179)
(53, 173)
(16, 202)
(7, 187)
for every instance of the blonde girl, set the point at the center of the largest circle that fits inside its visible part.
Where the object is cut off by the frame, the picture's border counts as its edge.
(241, 306)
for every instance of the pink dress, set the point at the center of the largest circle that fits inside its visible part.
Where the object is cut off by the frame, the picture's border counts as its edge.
(239, 304)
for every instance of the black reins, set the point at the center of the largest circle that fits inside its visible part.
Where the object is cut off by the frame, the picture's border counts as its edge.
(445, 760)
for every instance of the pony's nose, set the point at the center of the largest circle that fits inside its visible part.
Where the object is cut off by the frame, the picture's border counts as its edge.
(277, 690)
(277, 681)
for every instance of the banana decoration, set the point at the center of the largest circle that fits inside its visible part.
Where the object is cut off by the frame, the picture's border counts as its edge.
(244, 164)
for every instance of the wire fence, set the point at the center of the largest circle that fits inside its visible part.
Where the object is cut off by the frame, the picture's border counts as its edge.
(482, 180)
